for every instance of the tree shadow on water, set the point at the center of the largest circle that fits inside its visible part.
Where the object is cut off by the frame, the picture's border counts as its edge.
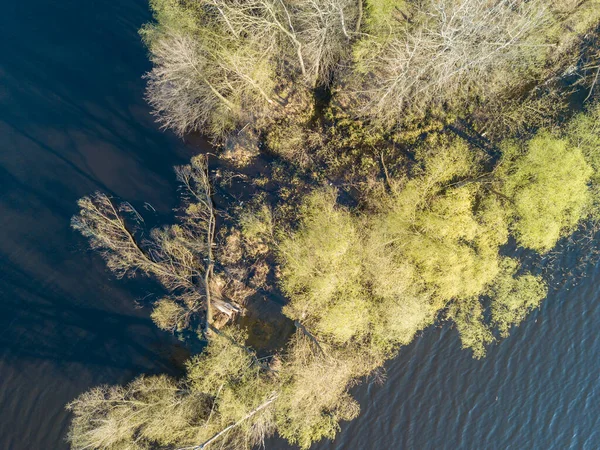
(47, 323)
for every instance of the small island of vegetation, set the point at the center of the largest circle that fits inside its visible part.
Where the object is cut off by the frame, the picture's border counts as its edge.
(382, 165)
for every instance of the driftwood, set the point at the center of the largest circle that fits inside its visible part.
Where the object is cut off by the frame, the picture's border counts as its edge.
(227, 308)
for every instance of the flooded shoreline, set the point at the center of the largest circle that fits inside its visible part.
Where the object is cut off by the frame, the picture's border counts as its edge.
(73, 120)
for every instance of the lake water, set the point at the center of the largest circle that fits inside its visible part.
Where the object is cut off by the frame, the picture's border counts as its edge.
(73, 120)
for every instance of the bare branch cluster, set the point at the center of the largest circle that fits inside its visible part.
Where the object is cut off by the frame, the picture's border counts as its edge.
(181, 257)
(455, 46)
(236, 65)
(103, 223)
(326, 31)
(201, 84)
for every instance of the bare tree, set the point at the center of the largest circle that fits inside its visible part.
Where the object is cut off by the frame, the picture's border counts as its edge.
(318, 32)
(455, 45)
(268, 21)
(103, 223)
(181, 256)
(207, 83)
(326, 29)
(232, 67)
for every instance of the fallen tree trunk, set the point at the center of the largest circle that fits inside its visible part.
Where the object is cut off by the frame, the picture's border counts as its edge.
(233, 425)
(310, 336)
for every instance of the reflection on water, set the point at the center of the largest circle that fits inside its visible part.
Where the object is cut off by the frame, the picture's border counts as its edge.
(72, 120)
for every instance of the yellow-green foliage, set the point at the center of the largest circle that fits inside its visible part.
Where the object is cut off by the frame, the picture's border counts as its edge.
(149, 411)
(344, 284)
(221, 363)
(322, 270)
(314, 396)
(513, 297)
(231, 375)
(448, 234)
(373, 281)
(474, 333)
(573, 18)
(447, 244)
(445, 229)
(360, 283)
(400, 305)
(168, 314)
(583, 132)
(382, 20)
(381, 16)
(257, 228)
(547, 182)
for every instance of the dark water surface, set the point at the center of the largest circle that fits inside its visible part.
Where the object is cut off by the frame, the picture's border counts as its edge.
(72, 120)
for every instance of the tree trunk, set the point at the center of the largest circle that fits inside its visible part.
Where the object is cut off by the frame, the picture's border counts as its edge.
(226, 429)
(359, 19)
(210, 241)
(309, 335)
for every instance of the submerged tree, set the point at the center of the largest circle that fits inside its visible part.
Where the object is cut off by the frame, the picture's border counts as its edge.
(181, 257)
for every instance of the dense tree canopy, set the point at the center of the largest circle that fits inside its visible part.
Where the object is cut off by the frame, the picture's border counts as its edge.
(435, 240)
(548, 185)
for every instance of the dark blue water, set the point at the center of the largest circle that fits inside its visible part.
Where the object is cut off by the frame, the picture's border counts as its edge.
(72, 120)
